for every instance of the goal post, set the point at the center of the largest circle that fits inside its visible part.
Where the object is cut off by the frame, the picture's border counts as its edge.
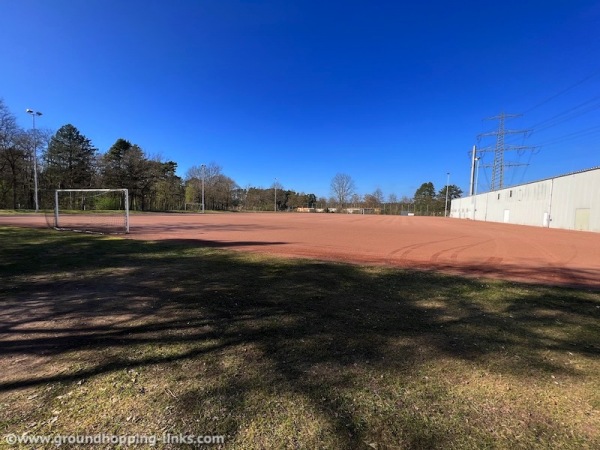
(92, 210)
(189, 206)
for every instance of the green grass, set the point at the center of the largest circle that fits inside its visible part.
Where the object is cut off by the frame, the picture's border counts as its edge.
(13, 212)
(109, 335)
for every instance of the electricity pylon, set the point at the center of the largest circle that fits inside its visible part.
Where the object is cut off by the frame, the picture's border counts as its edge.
(499, 165)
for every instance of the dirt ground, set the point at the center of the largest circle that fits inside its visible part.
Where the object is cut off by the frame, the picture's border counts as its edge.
(512, 252)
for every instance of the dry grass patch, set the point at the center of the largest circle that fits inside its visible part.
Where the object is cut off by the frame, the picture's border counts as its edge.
(103, 335)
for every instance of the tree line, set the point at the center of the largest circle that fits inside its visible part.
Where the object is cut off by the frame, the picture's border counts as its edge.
(67, 159)
(425, 202)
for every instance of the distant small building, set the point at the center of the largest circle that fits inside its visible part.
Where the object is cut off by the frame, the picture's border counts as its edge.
(363, 210)
(353, 210)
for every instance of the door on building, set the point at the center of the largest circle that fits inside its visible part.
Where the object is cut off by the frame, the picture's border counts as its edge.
(506, 215)
(582, 219)
(545, 222)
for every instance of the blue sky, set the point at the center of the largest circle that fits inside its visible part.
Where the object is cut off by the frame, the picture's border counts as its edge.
(392, 93)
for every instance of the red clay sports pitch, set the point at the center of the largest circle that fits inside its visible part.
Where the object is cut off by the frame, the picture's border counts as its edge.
(512, 252)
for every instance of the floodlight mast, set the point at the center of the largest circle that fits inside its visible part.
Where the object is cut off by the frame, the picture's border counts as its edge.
(203, 168)
(471, 180)
(446, 204)
(35, 176)
(475, 187)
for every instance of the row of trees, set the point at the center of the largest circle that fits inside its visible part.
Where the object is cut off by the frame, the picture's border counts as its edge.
(223, 193)
(69, 160)
(426, 200)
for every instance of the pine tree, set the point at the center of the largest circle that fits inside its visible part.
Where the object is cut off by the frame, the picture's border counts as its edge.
(70, 160)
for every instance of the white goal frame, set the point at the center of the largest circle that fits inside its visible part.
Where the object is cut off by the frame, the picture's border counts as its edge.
(200, 206)
(56, 204)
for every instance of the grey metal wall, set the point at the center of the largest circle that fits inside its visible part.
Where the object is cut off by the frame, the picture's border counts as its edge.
(569, 201)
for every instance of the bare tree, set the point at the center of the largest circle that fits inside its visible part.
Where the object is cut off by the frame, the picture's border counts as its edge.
(342, 188)
(375, 199)
(321, 202)
(393, 201)
(12, 156)
(210, 174)
(222, 188)
(15, 157)
(378, 196)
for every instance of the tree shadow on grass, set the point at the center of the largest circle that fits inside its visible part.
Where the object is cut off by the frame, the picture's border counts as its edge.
(289, 329)
(553, 275)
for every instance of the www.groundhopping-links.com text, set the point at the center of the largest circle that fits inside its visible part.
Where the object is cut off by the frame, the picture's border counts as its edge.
(112, 439)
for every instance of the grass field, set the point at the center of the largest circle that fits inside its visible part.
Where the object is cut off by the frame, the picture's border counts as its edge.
(107, 335)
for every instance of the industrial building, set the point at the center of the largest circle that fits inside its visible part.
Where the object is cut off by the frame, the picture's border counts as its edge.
(570, 202)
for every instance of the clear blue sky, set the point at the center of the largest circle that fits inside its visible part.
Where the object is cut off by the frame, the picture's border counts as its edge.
(393, 93)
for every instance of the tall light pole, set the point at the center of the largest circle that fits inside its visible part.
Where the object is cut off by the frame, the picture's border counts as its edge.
(476, 173)
(471, 180)
(446, 204)
(35, 177)
(475, 187)
(275, 186)
(203, 168)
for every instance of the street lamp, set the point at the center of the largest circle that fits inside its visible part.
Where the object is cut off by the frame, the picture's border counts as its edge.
(203, 168)
(446, 204)
(35, 178)
(475, 187)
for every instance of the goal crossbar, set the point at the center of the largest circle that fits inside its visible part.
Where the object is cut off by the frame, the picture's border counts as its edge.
(92, 213)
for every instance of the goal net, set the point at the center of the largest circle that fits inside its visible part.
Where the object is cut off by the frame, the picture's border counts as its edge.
(193, 206)
(92, 210)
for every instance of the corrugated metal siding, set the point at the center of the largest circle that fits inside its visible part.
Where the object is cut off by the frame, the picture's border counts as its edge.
(576, 192)
(570, 201)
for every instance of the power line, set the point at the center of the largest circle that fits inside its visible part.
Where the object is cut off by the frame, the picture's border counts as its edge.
(549, 121)
(499, 165)
(564, 91)
(581, 133)
(504, 142)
